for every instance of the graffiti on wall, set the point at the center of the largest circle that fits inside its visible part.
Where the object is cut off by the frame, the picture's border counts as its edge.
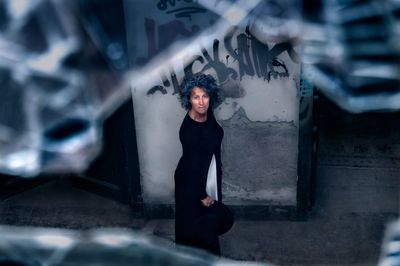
(171, 7)
(237, 55)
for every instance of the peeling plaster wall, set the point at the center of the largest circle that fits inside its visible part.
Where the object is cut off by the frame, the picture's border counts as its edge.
(260, 161)
(260, 84)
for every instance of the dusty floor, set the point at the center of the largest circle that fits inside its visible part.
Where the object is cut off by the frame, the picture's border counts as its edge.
(346, 239)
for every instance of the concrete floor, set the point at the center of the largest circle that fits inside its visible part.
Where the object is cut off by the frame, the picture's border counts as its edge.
(345, 239)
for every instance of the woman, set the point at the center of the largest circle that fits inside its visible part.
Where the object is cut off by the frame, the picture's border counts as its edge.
(200, 215)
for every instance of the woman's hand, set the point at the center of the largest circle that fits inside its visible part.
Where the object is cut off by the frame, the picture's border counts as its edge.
(208, 201)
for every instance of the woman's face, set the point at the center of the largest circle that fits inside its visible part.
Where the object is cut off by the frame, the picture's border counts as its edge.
(200, 101)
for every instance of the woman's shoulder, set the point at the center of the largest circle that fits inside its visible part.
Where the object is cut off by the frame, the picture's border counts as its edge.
(188, 124)
(217, 127)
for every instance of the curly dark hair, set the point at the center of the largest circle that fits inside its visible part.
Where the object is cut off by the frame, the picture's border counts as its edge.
(203, 81)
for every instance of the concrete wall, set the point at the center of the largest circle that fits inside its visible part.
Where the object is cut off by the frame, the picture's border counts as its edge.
(260, 83)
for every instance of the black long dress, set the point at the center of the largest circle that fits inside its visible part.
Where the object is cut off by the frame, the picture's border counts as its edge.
(195, 224)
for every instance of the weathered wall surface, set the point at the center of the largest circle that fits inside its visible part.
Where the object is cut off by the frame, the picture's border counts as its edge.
(260, 84)
(259, 161)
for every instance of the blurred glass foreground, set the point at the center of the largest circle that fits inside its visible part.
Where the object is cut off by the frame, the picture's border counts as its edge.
(50, 247)
(390, 255)
(64, 66)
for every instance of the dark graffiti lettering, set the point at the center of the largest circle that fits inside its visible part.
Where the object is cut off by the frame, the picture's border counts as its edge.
(163, 4)
(223, 72)
(261, 58)
(261, 61)
(228, 44)
(175, 82)
(243, 54)
(181, 12)
(188, 70)
(157, 88)
(275, 64)
(253, 57)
